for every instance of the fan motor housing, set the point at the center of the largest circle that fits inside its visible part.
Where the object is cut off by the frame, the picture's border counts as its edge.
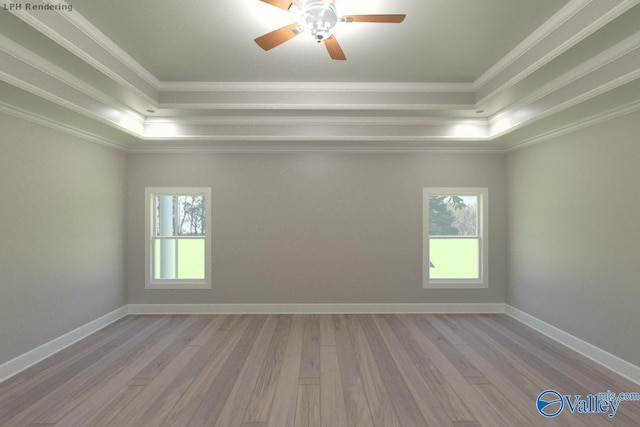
(319, 18)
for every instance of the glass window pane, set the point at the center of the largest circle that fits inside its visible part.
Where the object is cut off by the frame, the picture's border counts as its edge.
(164, 259)
(165, 223)
(179, 259)
(180, 216)
(191, 215)
(453, 215)
(191, 259)
(454, 259)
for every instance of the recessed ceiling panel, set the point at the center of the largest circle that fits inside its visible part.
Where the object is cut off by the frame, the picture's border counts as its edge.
(439, 41)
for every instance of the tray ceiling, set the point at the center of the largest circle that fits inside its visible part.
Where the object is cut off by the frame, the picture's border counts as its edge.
(460, 75)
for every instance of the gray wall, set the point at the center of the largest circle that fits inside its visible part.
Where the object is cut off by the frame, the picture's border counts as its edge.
(574, 234)
(321, 228)
(62, 203)
(316, 227)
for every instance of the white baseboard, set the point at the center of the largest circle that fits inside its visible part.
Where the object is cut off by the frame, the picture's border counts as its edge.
(313, 308)
(34, 356)
(608, 360)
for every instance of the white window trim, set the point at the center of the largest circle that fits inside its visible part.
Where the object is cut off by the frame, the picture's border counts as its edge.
(483, 225)
(149, 211)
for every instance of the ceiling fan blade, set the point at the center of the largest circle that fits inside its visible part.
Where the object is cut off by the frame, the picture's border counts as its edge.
(282, 4)
(391, 19)
(335, 51)
(277, 37)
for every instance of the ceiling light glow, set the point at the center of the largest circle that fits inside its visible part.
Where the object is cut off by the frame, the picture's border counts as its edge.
(161, 130)
(319, 18)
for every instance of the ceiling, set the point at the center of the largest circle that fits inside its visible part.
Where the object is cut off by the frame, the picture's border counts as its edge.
(209, 41)
(487, 75)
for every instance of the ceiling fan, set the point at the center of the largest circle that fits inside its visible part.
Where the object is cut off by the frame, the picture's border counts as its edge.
(318, 17)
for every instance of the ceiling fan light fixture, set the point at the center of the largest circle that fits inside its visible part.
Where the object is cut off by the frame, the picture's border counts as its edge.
(319, 19)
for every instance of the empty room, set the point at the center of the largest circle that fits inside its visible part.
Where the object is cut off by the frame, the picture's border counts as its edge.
(283, 213)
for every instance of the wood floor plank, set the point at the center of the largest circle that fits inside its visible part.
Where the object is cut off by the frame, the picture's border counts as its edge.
(356, 405)
(157, 399)
(218, 349)
(341, 370)
(406, 408)
(105, 417)
(198, 323)
(449, 348)
(583, 371)
(556, 370)
(69, 387)
(382, 410)
(557, 350)
(327, 328)
(36, 374)
(508, 412)
(448, 330)
(308, 406)
(30, 391)
(485, 414)
(261, 398)
(119, 375)
(283, 411)
(310, 359)
(424, 395)
(332, 409)
(452, 404)
(123, 358)
(233, 411)
(217, 395)
(213, 324)
(522, 383)
(339, 321)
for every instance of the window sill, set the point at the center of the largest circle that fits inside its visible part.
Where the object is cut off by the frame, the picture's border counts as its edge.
(455, 285)
(178, 285)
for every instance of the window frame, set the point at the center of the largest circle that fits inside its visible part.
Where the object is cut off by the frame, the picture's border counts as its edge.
(483, 238)
(150, 226)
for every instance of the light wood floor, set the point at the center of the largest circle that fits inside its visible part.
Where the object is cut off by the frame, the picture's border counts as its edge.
(308, 370)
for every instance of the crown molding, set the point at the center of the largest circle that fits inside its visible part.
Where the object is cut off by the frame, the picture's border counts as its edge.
(319, 120)
(316, 87)
(602, 79)
(576, 21)
(59, 126)
(313, 149)
(317, 107)
(245, 137)
(49, 72)
(318, 100)
(575, 126)
(92, 46)
(621, 63)
(468, 147)
(81, 23)
(551, 25)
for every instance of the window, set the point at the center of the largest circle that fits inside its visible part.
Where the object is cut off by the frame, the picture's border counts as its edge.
(455, 238)
(178, 244)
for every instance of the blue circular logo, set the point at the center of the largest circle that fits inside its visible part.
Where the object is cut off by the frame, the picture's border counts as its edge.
(550, 403)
